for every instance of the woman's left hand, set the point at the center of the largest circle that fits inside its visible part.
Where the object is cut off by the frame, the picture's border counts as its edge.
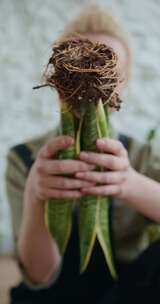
(113, 158)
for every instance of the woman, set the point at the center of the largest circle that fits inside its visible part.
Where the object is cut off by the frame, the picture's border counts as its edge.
(32, 179)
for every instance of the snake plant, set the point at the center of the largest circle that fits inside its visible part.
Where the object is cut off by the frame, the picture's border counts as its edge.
(85, 77)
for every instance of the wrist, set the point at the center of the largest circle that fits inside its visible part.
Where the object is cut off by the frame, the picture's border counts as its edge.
(30, 197)
(33, 213)
(128, 187)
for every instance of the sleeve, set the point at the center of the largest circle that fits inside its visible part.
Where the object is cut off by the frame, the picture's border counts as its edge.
(153, 172)
(145, 158)
(153, 164)
(139, 155)
(16, 175)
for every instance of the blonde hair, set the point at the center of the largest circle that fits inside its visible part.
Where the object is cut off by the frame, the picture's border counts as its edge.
(94, 19)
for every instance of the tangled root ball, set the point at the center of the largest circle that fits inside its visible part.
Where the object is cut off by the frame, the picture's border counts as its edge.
(83, 71)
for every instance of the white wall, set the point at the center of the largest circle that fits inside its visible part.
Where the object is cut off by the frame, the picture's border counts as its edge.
(27, 29)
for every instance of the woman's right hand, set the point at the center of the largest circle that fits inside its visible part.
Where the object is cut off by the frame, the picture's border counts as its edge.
(46, 179)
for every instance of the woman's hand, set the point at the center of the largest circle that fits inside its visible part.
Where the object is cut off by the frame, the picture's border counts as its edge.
(46, 179)
(116, 169)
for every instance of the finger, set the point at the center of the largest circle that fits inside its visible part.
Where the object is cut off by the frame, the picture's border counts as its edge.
(62, 167)
(103, 190)
(55, 145)
(105, 160)
(112, 146)
(56, 193)
(102, 177)
(64, 183)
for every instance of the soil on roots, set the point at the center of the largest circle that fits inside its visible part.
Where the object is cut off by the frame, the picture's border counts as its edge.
(83, 71)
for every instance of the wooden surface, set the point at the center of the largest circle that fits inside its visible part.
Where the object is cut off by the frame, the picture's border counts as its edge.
(9, 276)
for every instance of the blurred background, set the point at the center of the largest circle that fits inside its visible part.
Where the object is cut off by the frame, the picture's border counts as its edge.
(27, 30)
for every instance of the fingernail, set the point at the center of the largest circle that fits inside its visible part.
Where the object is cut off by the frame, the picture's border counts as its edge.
(84, 155)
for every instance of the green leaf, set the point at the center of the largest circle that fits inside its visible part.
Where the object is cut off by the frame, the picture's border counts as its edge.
(103, 234)
(87, 228)
(59, 221)
(58, 214)
(88, 207)
(151, 135)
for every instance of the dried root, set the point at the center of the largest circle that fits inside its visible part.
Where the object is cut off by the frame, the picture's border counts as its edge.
(83, 71)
